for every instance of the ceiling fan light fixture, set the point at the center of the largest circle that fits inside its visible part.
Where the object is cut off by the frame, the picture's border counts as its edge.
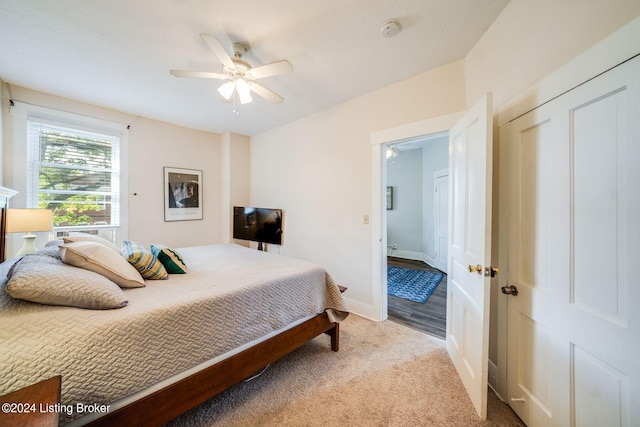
(244, 91)
(226, 90)
(239, 75)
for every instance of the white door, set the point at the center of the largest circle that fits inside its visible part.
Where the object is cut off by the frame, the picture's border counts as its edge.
(441, 219)
(574, 234)
(470, 155)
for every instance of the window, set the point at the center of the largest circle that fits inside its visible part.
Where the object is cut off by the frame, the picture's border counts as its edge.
(75, 173)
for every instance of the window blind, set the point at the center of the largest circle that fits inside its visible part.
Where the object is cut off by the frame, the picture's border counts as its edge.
(75, 173)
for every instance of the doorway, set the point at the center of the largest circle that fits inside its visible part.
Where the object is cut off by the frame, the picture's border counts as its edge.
(470, 168)
(416, 190)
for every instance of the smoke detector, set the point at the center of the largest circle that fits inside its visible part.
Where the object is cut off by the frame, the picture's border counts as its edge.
(391, 27)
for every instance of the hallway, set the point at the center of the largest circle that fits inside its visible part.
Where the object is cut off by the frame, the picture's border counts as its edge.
(429, 317)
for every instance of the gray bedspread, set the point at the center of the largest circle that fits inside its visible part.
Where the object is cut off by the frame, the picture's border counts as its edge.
(231, 295)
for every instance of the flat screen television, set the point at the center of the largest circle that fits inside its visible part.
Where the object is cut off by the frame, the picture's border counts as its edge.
(262, 225)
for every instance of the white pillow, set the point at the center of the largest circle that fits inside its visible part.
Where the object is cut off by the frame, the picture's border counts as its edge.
(84, 237)
(102, 260)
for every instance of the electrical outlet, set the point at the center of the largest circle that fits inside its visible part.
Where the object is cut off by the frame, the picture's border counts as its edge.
(365, 219)
(395, 246)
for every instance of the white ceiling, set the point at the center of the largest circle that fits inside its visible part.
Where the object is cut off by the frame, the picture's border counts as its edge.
(118, 53)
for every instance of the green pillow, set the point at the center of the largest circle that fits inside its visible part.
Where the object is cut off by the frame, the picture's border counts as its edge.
(147, 265)
(170, 258)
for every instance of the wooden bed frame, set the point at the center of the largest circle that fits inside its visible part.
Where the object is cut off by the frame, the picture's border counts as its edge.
(166, 404)
(175, 399)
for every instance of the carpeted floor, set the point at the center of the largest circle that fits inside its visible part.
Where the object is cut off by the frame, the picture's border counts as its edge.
(385, 374)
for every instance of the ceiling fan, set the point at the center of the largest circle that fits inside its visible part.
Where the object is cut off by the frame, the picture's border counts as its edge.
(241, 77)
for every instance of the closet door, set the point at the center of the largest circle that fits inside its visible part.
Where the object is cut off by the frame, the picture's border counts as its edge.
(574, 235)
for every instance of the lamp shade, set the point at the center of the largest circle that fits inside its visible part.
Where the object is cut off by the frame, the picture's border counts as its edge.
(29, 220)
(244, 92)
(226, 90)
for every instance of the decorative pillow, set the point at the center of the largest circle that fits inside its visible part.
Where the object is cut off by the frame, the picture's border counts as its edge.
(143, 260)
(102, 260)
(47, 280)
(5, 299)
(50, 251)
(170, 258)
(54, 243)
(84, 237)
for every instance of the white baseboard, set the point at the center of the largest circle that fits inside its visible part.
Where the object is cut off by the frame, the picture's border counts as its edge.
(367, 311)
(419, 256)
(399, 253)
(429, 260)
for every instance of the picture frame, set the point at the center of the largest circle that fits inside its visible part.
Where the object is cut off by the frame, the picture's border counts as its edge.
(182, 194)
(389, 198)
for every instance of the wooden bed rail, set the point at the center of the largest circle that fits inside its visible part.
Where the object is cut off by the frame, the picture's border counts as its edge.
(175, 399)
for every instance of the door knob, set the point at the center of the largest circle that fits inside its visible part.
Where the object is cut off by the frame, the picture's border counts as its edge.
(510, 290)
(491, 271)
(475, 269)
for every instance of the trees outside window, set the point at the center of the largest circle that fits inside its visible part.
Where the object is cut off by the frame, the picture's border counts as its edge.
(74, 173)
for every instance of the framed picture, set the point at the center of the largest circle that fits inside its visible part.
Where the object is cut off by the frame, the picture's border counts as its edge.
(182, 194)
(389, 198)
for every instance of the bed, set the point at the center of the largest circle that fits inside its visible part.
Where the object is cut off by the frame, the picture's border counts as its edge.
(174, 343)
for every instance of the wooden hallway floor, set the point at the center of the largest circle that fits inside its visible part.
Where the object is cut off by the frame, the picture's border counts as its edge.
(430, 317)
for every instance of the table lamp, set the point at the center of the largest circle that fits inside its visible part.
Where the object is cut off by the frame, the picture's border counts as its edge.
(28, 221)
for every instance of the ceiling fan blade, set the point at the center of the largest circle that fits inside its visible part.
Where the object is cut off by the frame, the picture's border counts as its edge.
(198, 74)
(215, 45)
(266, 93)
(273, 69)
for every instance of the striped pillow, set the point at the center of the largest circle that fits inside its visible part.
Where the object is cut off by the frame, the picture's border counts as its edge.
(143, 260)
(170, 258)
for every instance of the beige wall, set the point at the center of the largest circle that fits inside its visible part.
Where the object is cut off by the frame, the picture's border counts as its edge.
(318, 169)
(235, 180)
(151, 146)
(154, 145)
(532, 38)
